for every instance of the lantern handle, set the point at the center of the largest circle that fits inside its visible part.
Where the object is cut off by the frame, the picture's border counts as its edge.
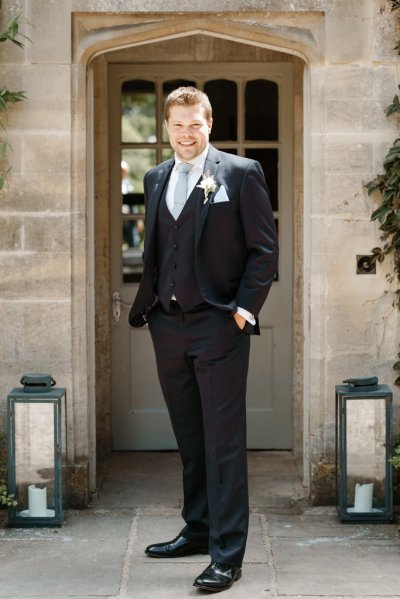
(37, 380)
(367, 382)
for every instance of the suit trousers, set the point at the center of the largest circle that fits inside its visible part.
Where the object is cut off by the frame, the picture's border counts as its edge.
(202, 360)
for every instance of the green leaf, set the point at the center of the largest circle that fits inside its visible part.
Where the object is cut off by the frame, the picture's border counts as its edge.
(381, 213)
(12, 32)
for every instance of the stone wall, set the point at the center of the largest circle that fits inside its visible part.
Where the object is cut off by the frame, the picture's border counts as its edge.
(346, 326)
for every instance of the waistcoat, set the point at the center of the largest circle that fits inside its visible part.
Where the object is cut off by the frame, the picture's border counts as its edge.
(175, 256)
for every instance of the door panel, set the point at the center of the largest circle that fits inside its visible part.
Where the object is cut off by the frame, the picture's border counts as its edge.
(253, 117)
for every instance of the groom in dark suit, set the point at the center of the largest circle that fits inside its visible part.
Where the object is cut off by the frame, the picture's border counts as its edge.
(210, 258)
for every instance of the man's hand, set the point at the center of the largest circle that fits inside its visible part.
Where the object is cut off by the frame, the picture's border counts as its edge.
(240, 320)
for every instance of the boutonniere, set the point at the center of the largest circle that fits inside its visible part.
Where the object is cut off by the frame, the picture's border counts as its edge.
(208, 185)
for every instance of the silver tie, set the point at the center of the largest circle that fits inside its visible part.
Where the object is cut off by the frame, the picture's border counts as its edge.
(180, 194)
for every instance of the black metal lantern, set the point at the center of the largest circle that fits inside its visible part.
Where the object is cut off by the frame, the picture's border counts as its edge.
(37, 452)
(363, 450)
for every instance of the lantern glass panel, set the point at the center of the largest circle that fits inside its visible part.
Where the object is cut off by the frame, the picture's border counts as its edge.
(34, 455)
(366, 453)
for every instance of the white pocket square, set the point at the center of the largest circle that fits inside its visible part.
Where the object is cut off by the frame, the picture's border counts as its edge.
(221, 195)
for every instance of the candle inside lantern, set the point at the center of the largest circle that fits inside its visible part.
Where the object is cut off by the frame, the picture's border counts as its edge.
(37, 501)
(363, 497)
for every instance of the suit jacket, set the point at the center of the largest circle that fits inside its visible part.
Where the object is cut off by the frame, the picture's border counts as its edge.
(236, 246)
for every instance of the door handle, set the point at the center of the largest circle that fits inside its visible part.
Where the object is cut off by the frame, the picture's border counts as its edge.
(116, 306)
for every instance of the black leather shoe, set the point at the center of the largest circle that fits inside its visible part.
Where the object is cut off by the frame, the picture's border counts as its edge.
(218, 577)
(177, 548)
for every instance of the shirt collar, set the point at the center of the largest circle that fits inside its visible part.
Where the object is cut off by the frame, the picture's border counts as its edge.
(197, 162)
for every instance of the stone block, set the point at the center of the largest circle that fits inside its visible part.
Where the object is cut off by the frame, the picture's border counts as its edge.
(323, 485)
(11, 230)
(349, 329)
(47, 234)
(348, 26)
(47, 334)
(48, 92)
(48, 155)
(36, 338)
(384, 84)
(348, 155)
(51, 37)
(352, 116)
(37, 192)
(12, 332)
(43, 276)
(352, 82)
(335, 244)
(14, 156)
(317, 98)
(347, 195)
(356, 100)
(318, 179)
(78, 486)
(317, 330)
(384, 33)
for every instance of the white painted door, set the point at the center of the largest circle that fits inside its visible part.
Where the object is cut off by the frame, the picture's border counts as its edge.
(253, 116)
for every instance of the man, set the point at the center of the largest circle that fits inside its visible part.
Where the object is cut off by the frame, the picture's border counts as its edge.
(209, 262)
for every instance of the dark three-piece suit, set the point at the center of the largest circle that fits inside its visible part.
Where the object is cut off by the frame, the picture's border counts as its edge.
(219, 254)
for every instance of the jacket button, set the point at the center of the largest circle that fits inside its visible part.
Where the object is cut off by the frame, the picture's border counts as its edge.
(172, 284)
(175, 246)
(174, 265)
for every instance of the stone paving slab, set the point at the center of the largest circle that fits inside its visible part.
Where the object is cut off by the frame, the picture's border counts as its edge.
(147, 491)
(79, 524)
(314, 567)
(175, 581)
(47, 567)
(325, 523)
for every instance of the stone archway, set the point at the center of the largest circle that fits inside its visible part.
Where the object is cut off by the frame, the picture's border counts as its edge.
(142, 36)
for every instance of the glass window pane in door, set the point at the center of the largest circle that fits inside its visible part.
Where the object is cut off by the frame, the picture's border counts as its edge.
(134, 165)
(269, 160)
(168, 87)
(132, 249)
(138, 112)
(261, 106)
(171, 84)
(223, 97)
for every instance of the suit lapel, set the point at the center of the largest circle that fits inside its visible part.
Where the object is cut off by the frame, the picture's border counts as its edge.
(210, 167)
(154, 199)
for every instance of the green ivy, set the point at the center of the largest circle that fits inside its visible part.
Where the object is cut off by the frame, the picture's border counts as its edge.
(387, 184)
(7, 97)
(6, 499)
(395, 459)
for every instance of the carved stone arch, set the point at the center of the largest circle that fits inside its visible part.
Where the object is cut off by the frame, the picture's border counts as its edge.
(97, 36)
(299, 34)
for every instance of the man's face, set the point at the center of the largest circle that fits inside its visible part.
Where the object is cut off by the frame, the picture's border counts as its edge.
(188, 130)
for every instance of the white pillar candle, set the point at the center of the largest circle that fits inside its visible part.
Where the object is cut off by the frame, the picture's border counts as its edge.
(363, 497)
(37, 501)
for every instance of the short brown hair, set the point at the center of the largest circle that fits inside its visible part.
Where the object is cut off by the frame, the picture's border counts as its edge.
(188, 96)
